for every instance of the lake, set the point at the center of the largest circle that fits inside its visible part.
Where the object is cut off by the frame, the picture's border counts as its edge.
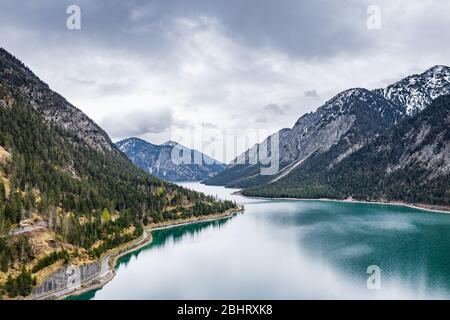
(285, 249)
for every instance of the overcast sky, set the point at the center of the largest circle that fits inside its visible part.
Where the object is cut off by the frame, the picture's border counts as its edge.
(186, 70)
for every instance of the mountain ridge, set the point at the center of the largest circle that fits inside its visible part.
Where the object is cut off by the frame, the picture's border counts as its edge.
(409, 163)
(332, 122)
(52, 106)
(67, 193)
(157, 160)
(416, 92)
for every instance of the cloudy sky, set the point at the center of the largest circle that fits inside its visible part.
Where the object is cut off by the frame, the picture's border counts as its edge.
(194, 71)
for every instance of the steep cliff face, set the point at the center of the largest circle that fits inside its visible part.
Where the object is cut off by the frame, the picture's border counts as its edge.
(340, 127)
(50, 105)
(157, 160)
(410, 162)
(349, 120)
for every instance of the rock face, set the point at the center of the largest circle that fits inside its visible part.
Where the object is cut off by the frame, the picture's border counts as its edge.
(340, 127)
(410, 162)
(67, 278)
(4, 155)
(416, 92)
(349, 120)
(52, 106)
(157, 160)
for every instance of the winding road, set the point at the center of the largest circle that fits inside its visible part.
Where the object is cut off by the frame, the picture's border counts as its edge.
(105, 268)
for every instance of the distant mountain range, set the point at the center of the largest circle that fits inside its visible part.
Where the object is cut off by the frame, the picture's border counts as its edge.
(314, 153)
(63, 178)
(157, 160)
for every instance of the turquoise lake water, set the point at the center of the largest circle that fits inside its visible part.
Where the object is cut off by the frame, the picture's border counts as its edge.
(282, 249)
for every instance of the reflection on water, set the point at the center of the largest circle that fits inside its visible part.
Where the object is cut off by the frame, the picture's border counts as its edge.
(280, 249)
(174, 235)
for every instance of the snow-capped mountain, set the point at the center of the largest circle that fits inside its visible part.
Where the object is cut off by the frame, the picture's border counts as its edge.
(410, 162)
(417, 91)
(340, 127)
(157, 160)
(345, 123)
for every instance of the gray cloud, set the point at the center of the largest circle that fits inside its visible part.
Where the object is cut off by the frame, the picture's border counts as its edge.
(218, 62)
(114, 88)
(311, 93)
(138, 123)
(310, 29)
(277, 109)
(209, 125)
(271, 112)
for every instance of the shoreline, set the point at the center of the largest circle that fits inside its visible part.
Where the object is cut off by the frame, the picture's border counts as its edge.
(423, 207)
(112, 257)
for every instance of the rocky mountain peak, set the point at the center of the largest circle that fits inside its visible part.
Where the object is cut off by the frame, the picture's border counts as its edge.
(17, 80)
(170, 144)
(345, 123)
(439, 70)
(352, 100)
(416, 92)
(157, 160)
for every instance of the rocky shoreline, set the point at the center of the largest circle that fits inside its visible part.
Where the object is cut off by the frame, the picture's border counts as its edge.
(108, 261)
(419, 206)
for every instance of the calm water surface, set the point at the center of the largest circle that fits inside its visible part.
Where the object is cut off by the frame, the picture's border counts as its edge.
(281, 249)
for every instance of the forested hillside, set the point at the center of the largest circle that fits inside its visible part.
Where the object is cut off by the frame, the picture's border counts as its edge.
(78, 195)
(410, 163)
